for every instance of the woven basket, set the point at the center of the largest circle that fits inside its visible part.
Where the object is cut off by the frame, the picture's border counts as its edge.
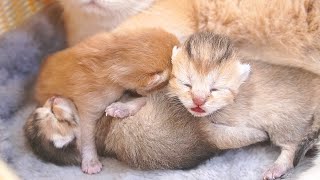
(14, 12)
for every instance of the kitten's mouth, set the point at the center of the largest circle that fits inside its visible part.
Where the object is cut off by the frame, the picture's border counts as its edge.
(198, 109)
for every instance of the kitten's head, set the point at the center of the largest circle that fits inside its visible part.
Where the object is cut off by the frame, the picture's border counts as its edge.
(206, 73)
(105, 7)
(51, 131)
(144, 59)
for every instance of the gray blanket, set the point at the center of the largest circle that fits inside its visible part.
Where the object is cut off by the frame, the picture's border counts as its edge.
(20, 54)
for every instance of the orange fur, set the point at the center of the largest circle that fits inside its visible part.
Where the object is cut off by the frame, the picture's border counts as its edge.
(96, 72)
(113, 61)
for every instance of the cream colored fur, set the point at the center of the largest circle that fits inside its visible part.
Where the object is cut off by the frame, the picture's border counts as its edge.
(84, 18)
(282, 32)
(274, 99)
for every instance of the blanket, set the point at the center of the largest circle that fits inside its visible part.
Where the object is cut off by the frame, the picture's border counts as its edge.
(21, 52)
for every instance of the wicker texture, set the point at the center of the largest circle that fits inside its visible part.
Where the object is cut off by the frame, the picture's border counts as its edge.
(14, 12)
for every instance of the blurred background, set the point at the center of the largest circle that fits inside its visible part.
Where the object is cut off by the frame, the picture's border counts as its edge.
(15, 12)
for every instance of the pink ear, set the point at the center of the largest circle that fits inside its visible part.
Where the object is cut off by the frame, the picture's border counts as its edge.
(159, 78)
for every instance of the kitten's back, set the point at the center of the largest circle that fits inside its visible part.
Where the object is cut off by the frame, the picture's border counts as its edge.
(130, 58)
(162, 135)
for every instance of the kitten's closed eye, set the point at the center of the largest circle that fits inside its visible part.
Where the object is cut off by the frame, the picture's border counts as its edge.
(213, 89)
(184, 83)
(188, 85)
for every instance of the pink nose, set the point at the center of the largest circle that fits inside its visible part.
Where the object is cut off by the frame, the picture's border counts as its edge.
(198, 101)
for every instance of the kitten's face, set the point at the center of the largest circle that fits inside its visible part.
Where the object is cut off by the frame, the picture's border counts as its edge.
(55, 121)
(203, 89)
(105, 7)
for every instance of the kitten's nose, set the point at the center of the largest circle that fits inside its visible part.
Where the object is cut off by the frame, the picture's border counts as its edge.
(199, 101)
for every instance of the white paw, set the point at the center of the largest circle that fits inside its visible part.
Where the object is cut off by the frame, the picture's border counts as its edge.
(274, 172)
(92, 166)
(118, 110)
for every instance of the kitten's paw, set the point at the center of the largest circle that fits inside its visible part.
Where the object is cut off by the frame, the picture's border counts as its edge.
(118, 110)
(274, 172)
(92, 166)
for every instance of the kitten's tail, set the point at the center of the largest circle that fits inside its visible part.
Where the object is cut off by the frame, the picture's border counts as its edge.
(310, 140)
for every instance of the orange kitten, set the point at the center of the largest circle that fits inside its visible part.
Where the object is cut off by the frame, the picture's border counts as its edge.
(96, 72)
(210, 81)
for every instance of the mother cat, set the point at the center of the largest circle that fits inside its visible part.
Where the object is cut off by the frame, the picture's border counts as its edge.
(282, 32)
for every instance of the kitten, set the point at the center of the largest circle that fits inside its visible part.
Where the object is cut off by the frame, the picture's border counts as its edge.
(211, 82)
(145, 143)
(162, 135)
(96, 72)
(84, 18)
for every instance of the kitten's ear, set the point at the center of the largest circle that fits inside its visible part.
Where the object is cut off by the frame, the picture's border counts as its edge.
(244, 71)
(155, 81)
(158, 79)
(175, 51)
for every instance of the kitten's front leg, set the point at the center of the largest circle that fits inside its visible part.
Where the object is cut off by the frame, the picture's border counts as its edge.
(90, 162)
(230, 137)
(125, 109)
